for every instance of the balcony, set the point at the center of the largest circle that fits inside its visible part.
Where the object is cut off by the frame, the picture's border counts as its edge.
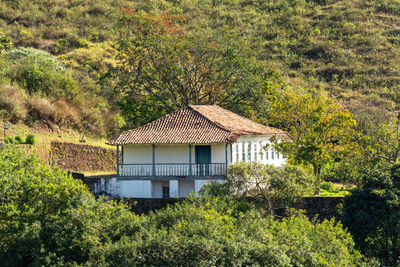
(167, 171)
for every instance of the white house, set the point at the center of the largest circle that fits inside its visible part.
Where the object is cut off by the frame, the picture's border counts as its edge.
(178, 153)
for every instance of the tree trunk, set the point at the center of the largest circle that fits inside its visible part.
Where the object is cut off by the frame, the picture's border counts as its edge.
(317, 173)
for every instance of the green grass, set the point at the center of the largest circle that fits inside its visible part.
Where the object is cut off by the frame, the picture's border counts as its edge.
(45, 136)
(335, 189)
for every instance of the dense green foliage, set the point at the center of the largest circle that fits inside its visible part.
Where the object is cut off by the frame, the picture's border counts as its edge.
(48, 218)
(275, 188)
(372, 215)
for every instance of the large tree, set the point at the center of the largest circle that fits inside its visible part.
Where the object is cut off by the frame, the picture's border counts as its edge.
(318, 128)
(372, 215)
(162, 68)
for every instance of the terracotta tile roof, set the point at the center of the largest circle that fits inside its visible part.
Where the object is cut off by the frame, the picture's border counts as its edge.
(195, 124)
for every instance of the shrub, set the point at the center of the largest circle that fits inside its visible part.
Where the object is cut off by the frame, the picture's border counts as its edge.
(40, 109)
(328, 186)
(276, 187)
(30, 139)
(48, 218)
(12, 100)
(203, 232)
(372, 215)
(66, 113)
(18, 140)
(9, 140)
(39, 71)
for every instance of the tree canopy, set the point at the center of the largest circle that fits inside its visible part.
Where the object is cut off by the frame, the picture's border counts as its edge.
(48, 218)
(318, 129)
(162, 68)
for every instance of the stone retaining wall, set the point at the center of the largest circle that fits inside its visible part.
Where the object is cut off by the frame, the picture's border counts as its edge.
(323, 207)
(82, 158)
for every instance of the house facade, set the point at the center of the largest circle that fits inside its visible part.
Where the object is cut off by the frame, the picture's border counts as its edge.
(178, 153)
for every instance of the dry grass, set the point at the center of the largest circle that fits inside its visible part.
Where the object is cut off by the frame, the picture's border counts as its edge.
(12, 99)
(40, 109)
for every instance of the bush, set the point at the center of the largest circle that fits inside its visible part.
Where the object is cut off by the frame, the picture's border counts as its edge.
(30, 139)
(203, 232)
(328, 186)
(372, 215)
(66, 114)
(18, 140)
(40, 109)
(39, 72)
(48, 218)
(277, 187)
(12, 100)
(9, 140)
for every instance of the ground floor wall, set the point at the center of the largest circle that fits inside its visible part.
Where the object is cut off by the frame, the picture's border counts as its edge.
(148, 188)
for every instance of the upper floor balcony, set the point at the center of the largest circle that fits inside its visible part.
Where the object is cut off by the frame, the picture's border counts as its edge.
(166, 171)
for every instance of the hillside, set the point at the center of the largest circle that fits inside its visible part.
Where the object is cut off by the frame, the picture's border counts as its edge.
(349, 48)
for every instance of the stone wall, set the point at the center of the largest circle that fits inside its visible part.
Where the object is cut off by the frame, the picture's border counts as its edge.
(323, 207)
(82, 158)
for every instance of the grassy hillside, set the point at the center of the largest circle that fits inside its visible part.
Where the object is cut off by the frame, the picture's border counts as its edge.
(350, 48)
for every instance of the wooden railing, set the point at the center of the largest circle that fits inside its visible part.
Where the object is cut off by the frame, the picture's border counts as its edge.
(172, 169)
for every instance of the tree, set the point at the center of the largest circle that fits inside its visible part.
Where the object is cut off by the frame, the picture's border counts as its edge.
(276, 188)
(162, 68)
(372, 215)
(48, 218)
(318, 128)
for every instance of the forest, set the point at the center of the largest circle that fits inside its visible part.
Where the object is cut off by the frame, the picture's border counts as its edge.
(326, 72)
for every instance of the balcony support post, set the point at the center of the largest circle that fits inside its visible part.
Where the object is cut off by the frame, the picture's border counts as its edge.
(190, 160)
(226, 157)
(117, 161)
(154, 161)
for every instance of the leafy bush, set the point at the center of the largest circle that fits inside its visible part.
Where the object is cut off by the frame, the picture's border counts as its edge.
(9, 140)
(328, 186)
(18, 140)
(372, 215)
(203, 232)
(5, 41)
(48, 218)
(38, 71)
(276, 187)
(30, 139)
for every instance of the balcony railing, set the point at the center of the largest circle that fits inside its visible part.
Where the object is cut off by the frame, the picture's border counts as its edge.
(172, 170)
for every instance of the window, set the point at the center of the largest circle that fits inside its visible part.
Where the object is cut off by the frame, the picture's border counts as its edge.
(248, 152)
(243, 152)
(272, 155)
(266, 154)
(255, 151)
(277, 155)
(165, 192)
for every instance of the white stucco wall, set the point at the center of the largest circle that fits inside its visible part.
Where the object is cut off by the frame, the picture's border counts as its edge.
(185, 187)
(135, 188)
(137, 154)
(170, 153)
(256, 149)
(173, 188)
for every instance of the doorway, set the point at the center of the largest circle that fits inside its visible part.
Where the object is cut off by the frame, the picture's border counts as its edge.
(203, 160)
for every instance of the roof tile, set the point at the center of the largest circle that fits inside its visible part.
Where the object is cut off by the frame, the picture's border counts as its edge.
(195, 124)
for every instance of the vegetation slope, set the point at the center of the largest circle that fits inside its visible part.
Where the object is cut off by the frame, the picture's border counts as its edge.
(349, 48)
